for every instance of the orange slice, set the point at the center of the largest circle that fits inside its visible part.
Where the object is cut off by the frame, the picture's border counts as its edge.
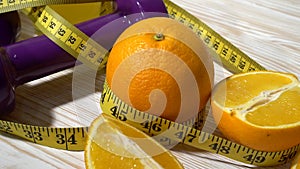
(260, 110)
(115, 144)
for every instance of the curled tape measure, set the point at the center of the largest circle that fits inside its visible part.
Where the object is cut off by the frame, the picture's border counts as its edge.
(155, 126)
(73, 41)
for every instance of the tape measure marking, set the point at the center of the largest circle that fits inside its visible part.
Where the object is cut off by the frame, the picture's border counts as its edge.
(230, 56)
(71, 39)
(61, 138)
(169, 133)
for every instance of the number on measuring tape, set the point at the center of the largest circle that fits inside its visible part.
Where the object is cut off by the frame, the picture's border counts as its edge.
(286, 157)
(252, 158)
(5, 127)
(37, 136)
(62, 139)
(157, 127)
(219, 148)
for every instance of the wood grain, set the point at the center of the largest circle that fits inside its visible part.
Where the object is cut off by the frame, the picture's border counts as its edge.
(268, 31)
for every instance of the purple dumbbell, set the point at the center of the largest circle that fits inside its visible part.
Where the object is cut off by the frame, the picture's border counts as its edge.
(38, 57)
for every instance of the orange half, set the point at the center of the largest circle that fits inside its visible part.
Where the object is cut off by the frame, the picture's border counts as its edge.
(260, 110)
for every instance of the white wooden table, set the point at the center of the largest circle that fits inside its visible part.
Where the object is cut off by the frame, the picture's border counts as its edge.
(268, 31)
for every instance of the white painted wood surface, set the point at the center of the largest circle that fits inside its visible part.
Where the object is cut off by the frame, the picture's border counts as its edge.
(268, 31)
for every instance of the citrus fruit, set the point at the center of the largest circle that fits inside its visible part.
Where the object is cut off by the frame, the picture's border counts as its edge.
(157, 65)
(296, 162)
(260, 110)
(115, 144)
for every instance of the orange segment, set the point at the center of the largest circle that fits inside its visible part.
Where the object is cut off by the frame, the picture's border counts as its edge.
(114, 144)
(260, 110)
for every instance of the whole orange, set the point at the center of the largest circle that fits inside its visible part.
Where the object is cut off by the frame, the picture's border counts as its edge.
(160, 66)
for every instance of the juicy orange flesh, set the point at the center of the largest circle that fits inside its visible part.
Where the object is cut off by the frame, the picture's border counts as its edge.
(101, 157)
(244, 88)
(104, 159)
(284, 110)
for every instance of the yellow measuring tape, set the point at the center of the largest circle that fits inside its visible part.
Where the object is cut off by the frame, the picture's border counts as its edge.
(156, 126)
(230, 56)
(51, 24)
(68, 37)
